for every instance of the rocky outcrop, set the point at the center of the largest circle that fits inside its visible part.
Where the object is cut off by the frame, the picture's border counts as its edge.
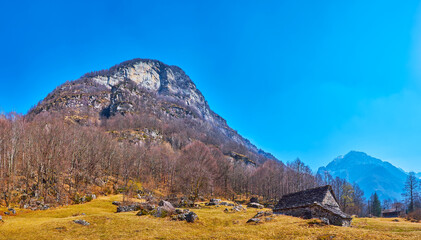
(140, 86)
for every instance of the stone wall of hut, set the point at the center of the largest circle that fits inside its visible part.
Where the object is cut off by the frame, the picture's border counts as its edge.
(317, 212)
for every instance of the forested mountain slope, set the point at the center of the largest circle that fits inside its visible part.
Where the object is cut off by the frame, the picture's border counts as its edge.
(150, 90)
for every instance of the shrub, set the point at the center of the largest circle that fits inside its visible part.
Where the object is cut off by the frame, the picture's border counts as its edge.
(415, 215)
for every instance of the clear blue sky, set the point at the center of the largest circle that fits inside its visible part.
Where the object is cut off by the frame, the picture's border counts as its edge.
(309, 79)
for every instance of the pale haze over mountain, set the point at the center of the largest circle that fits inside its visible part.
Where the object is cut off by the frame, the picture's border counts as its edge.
(371, 174)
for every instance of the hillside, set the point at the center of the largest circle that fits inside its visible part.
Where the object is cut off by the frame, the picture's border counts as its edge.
(213, 223)
(147, 88)
(139, 127)
(371, 174)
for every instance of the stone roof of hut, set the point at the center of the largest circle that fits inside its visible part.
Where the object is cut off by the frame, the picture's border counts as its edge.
(391, 210)
(309, 197)
(305, 198)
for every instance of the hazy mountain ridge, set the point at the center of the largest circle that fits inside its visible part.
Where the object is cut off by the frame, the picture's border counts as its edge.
(138, 86)
(371, 174)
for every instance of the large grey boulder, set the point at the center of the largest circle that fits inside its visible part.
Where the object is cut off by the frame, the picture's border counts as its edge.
(164, 209)
(167, 205)
(161, 212)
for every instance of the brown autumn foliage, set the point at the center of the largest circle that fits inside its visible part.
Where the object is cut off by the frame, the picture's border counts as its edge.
(47, 158)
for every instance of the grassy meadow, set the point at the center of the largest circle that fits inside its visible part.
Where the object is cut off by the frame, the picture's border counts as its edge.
(213, 223)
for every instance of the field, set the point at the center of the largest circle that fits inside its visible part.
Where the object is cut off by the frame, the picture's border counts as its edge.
(213, 223)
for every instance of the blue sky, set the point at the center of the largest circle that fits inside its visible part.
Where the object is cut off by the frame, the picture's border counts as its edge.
(308, 79)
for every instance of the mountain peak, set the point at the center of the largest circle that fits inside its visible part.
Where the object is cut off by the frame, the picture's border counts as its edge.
(142, 86)
(371, 174)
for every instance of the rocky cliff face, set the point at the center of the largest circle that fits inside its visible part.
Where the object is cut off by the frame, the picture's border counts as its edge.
(134, 87)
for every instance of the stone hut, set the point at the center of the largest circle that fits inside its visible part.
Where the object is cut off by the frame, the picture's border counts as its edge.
(391, 213)
(317, 202)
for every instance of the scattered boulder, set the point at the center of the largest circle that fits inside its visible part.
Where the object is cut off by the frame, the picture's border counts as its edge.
(117, 203)
(179, 217)
(166, 205)
(146, 209)
(238, 208)
(184, 202)
(44, 207)
(395, 220)
(82, 222)
(254, 220)
(263, 214)
(226, 204)
(185, 215)
(1, 218)
(12, 210)
(213, 202)
(258, 217)
(254, 200)
(6, 213)
(191, 217)
(165, 209)
(255, 205)
(161, 212)
(128, 208)
(226, 210)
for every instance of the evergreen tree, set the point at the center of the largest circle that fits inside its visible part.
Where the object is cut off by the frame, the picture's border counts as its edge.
(376, 208)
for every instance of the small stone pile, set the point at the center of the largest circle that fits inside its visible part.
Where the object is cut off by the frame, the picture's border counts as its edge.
(166, 209)
(128, 208)
(185, 215)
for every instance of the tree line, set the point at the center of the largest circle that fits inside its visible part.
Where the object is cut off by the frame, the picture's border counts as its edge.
(46, 158)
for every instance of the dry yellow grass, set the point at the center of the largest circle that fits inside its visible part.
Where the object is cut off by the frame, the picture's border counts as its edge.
(213, 224)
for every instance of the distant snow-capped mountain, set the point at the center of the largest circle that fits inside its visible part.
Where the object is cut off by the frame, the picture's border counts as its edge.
(371, 174)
